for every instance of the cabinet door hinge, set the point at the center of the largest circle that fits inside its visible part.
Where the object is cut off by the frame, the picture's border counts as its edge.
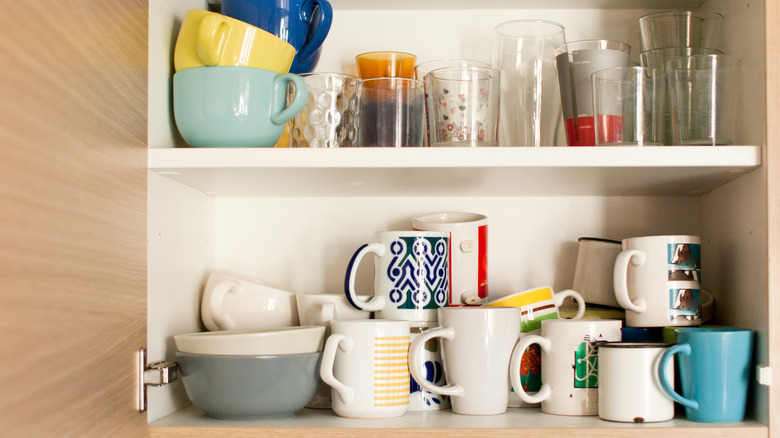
(153, 374)
(764, 375)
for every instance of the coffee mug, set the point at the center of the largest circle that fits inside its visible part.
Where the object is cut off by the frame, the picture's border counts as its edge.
(629, 388)
(468, 252)
(539, 304)
(411, 278)
(421, 399)
(536, 305)
(593, 274)
(657, 280)
(322, 309)
(365, 362)
(234, 106)
(477, 344)
(234, 301)
(211, 39)
(715, 367)
(570, 367)
(302, 23)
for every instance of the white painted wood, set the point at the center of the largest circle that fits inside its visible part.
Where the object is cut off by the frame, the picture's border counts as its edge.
(293, 217)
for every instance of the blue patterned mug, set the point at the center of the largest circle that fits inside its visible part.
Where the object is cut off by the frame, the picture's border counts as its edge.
(411, 276)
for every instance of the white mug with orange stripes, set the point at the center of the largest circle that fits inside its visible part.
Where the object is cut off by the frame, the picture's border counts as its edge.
(365, 361)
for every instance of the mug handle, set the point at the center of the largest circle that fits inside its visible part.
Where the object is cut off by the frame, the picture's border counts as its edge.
(280, 116)
(212, 38)
(416, 361)
(685, 350)
(620, 280)
(221, 289)
(376, 303)
(334, 342)
(560, 296)
(517, 361)
(326, 18)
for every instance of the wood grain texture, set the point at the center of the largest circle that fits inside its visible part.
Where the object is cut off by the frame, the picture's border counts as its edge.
(773, 203)
(73, 105)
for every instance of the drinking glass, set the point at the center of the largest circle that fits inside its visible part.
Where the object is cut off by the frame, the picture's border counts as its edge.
(392, 112)
(524, 53)
(680, 29)
(385, 64)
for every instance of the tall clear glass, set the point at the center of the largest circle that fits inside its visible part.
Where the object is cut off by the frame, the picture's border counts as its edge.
(524, 53)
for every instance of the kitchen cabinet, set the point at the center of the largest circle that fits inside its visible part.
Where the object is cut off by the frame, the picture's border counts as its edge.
(294, 216)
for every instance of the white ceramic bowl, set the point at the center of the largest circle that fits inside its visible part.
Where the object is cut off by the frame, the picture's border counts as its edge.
(277, 341)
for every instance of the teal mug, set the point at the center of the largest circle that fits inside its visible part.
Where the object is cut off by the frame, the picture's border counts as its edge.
(714, 365)
(223, 106)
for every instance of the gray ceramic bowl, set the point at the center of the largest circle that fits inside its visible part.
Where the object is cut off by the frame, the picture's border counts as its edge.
(249, 387)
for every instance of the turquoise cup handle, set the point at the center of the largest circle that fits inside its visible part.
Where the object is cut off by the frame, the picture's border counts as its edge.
(684, 349)
(282, 115)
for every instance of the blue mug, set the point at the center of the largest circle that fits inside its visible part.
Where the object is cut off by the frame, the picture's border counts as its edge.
(302, 23)
(714, 365)
(235, 106)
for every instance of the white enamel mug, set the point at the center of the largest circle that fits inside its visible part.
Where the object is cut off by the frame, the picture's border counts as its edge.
(411, 275)
(366, 364)
(629, 387)
(657, 279)
(468, 253)
(477, 344)
(570, 369)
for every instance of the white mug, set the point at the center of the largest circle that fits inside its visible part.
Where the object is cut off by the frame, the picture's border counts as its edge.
(321, 309)
(594, 270)
(411, 275)
(233, 301)
(570, 369)
(657, 281)
(468, 253)
(537, 304)
(366, 364)
(477, 344)
(629, 387)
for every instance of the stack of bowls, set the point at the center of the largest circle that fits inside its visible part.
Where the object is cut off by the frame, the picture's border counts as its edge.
(251, 374)
(230, 88)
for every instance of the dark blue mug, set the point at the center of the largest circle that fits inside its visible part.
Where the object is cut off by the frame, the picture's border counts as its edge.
(302, 23)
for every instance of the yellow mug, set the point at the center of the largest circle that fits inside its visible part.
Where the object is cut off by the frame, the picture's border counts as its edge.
(539, 304)
(208, 38)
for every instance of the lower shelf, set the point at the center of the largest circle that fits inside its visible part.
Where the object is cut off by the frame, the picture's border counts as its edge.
(517, 421)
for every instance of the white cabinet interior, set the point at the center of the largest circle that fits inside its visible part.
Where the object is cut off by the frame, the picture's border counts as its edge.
(294, 217)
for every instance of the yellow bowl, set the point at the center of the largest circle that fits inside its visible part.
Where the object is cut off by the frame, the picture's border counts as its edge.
(208, 39)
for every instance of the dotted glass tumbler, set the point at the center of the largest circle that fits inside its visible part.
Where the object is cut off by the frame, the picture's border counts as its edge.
(330, 117)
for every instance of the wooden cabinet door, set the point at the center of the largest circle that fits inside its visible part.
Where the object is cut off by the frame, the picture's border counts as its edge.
(73, 175)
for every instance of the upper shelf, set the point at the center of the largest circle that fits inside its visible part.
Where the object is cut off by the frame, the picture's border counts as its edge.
(504, 171)
(516, 4)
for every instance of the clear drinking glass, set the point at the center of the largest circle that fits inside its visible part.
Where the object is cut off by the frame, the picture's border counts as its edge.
(392, 112)
(657, 59)
(524, 53)
(463, 106)
(704, 93)
(330, 117)
(680, 29)
(628, 105)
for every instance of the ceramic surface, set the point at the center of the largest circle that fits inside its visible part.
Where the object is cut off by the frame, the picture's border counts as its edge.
(249, 387)
(279, 341)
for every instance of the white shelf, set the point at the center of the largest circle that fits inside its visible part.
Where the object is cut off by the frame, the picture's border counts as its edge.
(516, 171)
(515, 4)
(516, 419)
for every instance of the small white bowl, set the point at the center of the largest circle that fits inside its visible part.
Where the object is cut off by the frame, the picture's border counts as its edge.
(277, 341)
